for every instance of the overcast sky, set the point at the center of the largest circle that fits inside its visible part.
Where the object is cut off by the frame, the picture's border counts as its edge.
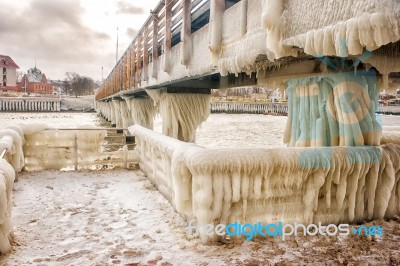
(69, 35)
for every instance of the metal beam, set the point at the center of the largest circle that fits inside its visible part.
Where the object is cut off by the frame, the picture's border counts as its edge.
(189, 90)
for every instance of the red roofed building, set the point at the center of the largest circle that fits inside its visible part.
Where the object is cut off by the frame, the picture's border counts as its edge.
(8, 74)
(35, 82)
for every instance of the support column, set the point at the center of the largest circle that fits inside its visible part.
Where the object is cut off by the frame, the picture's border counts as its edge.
(182, 113)
(113, 114)
(142, 111)
(125, 114)
(118, 114)
(333, 110)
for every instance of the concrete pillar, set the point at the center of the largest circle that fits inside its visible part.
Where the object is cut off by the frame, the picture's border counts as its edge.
(118, 114)
(126, 114)
(142, 111)
(333, 110)
(112, 112)
(182, 113)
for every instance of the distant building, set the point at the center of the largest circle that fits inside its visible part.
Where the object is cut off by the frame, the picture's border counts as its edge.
(35, 82)
(8, 74)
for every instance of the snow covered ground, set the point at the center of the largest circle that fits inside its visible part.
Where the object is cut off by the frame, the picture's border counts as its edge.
(118, 217)
(78, 104)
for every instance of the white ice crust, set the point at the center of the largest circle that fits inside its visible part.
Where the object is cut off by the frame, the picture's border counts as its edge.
(304, 185)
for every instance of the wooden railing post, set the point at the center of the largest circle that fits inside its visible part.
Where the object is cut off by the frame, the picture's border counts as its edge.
(155, 45)
(243, 19)
(217, 10)
(167, 38)
(139, 58)
(145, 53)
(186, 32)
(133, 65)
(124, 71)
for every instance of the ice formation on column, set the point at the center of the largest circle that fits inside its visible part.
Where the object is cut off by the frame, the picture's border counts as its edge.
(125, 114)
(113, 113)
(142, 111)
(182, 113)
(333, 110)
(103, 108)
(117, 112)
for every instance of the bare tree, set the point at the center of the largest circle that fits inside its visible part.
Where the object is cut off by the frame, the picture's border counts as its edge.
(19, 75)
(77, 85)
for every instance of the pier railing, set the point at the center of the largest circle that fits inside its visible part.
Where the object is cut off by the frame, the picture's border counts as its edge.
(249, 107)
(26, 104)
(76, 149)
(171, 22)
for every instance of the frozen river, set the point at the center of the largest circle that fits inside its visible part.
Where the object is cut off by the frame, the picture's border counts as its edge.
(220, 130)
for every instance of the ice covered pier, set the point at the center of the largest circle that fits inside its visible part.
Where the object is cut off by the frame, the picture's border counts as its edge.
(28, 104)
(331, 58)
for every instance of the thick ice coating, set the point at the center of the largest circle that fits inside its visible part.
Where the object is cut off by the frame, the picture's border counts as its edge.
(181, 113)
(331, 28)
(7, 176)
(304, 185)
(333, 110)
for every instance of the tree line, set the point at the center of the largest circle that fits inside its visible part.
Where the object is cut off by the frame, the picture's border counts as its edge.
(77, 85)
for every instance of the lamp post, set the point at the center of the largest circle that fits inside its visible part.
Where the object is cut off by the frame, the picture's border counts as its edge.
(25, 84)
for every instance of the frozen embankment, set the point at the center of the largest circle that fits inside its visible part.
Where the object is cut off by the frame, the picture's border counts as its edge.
(303, 185)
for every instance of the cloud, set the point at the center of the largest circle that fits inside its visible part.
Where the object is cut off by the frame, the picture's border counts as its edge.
(131, 32)
(127, 8)
(53, 32)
